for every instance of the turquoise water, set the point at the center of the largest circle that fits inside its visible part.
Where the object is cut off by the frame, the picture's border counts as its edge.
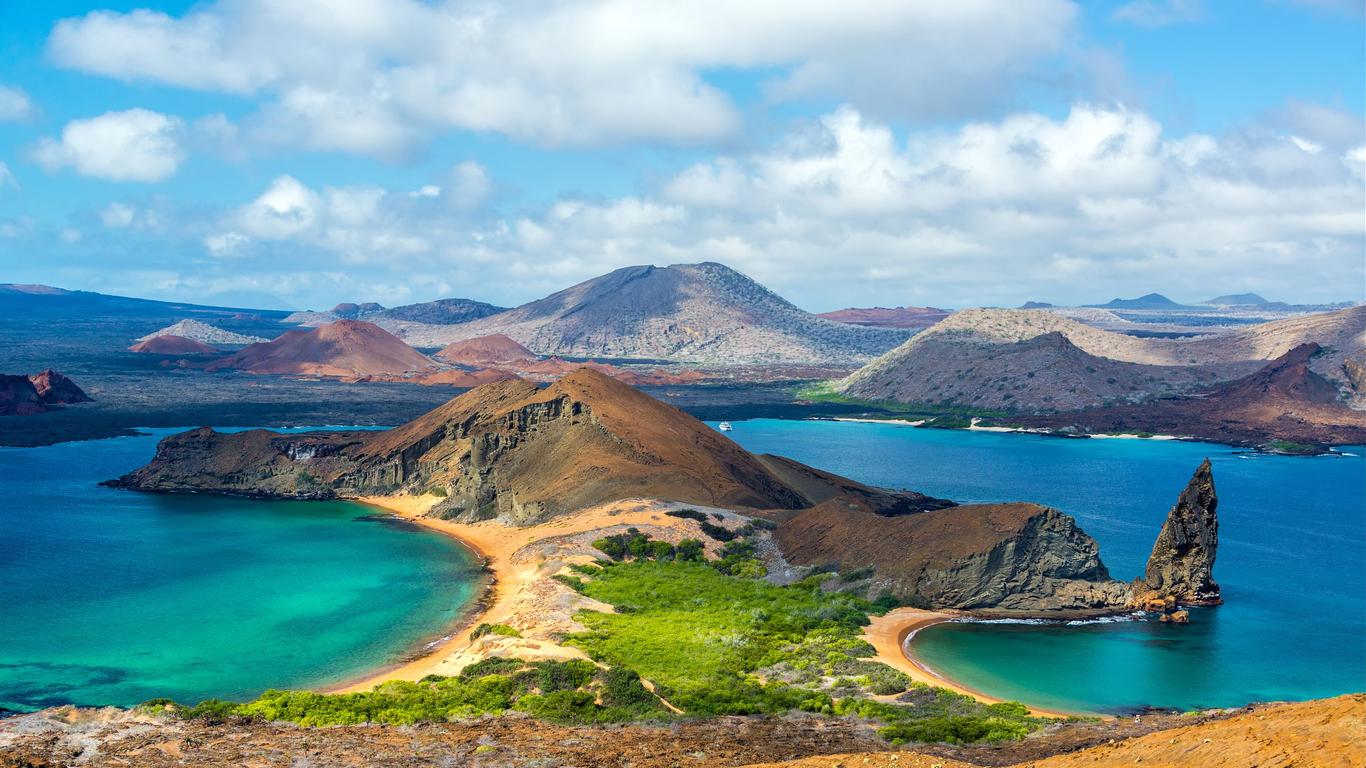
(115, 597)
(1292, 562)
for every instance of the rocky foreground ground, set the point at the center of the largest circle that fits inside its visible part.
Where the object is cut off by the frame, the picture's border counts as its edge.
(1329, 732)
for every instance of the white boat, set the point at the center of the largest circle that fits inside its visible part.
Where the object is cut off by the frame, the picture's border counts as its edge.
(724, 426)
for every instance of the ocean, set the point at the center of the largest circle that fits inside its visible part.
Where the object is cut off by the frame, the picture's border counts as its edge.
(1291, 562)
(115, 597)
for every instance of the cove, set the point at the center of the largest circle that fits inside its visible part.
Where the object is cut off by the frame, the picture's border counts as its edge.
(111, 597)
(1292, 562)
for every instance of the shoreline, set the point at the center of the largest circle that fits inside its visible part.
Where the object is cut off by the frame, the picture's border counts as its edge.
(495, 544)
(456, 636)
(450, 637)
(890, 633)
(512, 580)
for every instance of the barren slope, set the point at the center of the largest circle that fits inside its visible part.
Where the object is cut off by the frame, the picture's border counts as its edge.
(342, 348)
(1002, 358)
(705, 313)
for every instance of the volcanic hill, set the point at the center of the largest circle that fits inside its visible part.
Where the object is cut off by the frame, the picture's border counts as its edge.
(496, 349)
(203, 333)
(345, 348)
(172, 345)
(700, 313)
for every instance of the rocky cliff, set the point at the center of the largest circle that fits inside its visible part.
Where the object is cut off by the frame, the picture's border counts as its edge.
(1182, 563)
(508, 450)
(1010, 559)
(23, 395)
(1002, 558)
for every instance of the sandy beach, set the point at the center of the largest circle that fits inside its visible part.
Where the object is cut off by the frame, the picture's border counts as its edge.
(888, 634)
(522, 593)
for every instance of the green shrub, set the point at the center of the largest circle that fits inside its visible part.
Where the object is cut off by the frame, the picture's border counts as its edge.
(494, 629)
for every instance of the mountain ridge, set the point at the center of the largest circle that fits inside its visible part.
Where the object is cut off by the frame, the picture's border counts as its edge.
(701, 313)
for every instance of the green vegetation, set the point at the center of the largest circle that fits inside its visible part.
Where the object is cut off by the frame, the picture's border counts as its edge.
(725, 644)
(573, 691)
(494, 629)
(712, 636)
(634, 545)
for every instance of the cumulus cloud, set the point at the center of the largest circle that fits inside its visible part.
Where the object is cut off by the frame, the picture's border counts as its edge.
(1098, 202)
(15, 104)
(132, 145)
(378, 77)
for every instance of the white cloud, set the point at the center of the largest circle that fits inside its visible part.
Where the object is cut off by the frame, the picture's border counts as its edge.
(15, 105)
(69, 236)
(1160, 13)
(133, 145)
(286, 209)
(1097, 203)
(7, 178)
(379, 77)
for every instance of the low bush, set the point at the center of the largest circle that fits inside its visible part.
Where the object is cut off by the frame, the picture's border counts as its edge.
(494, 629)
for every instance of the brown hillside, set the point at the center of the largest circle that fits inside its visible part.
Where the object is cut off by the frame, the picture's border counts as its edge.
(495, 349)
(343, 348)
(608, 441)
(172, 345)
(1285, 400)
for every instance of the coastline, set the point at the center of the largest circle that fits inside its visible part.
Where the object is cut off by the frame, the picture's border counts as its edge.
(496, 544)
(889, 633)
(513, 581)
(455, 635)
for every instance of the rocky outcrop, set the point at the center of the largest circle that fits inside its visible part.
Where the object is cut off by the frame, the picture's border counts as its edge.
(1181, 566)
(1009, 559)
(55, 389)
(24, 395)
(998, 558)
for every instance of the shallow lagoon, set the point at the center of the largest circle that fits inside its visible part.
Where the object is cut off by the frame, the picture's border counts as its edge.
(1292, 562)
(115, 597)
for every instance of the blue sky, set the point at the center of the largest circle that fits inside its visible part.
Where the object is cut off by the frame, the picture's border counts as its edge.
(304, 153)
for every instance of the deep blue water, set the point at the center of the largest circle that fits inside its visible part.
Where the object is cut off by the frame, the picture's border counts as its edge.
(1291, 563)
(115, 597)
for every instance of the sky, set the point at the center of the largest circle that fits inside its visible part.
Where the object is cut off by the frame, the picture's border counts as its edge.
(300, 153)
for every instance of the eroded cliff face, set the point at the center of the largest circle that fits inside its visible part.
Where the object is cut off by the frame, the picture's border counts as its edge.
(1048, 565)
(1015, 558)
(509, 451)
(1010, 559)
(1181, 566)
